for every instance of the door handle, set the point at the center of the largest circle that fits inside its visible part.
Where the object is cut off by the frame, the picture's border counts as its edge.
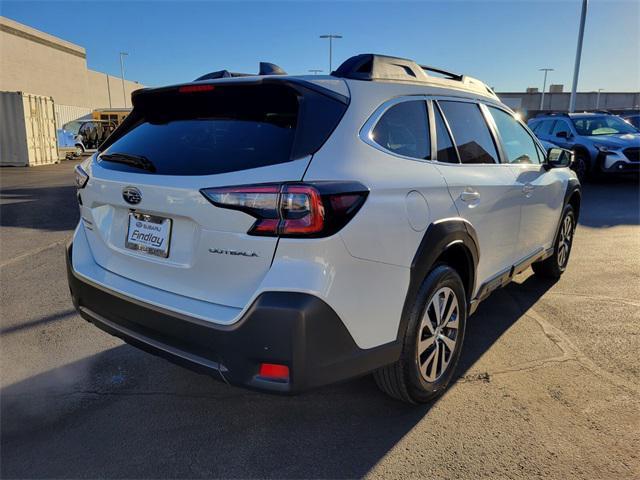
(469, 195)
(528, 189)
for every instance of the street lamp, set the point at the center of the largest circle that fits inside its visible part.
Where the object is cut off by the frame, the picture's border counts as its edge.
(124, 95)
(598, 98)
(544, 85)
(315, 71)
(576, 68)
(330, 36)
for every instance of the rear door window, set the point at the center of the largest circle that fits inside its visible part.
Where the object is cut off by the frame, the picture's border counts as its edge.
(446, 150)
(470, 132)
(545, 127)
(561, 126)
(404, 130)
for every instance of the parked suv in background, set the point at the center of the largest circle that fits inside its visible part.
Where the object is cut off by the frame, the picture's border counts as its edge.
(602, 142)
(286, 232)
(631, 118)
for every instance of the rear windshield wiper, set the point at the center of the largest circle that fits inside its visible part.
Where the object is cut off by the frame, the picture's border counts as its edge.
(136, 161)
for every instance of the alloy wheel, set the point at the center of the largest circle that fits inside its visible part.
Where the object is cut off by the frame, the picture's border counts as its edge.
(564, 243)
(438, 334)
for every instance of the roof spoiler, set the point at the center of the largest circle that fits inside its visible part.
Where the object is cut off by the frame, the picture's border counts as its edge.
(266, 68)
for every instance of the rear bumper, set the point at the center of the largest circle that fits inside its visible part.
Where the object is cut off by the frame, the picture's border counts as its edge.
(294, 329)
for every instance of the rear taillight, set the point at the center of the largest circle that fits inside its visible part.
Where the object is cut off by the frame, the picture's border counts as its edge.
(293, 209)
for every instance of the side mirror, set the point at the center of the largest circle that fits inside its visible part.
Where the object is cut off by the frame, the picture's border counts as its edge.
(559, 158)
(562, 134)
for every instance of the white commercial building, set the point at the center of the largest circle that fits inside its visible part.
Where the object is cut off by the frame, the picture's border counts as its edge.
(35, 62)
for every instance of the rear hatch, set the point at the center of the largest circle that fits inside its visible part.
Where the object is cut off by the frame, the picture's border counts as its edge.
(143, 211)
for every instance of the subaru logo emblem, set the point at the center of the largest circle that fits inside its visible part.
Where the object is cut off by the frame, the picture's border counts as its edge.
(131, 195)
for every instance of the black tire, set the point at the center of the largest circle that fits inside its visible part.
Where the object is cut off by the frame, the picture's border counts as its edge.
(404, 379)
(581, 167)
(556, 264)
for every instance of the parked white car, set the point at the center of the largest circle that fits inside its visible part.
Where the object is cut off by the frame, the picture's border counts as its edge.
(284, 232)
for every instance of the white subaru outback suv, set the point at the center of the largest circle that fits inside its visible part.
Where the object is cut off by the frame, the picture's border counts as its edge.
(283, 233)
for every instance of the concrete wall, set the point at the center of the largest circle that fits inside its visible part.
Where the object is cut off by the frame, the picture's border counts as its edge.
(35, 62)
(106, 90)
(527, 102)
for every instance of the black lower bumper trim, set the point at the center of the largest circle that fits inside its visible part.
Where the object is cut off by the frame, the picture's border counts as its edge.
(622, 167)
(294, 329)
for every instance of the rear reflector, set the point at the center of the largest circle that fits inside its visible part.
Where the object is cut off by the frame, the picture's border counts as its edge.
(196, 88)
(293, 209)
(273, 371)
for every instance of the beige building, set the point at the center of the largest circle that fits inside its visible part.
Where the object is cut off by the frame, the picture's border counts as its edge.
(38, 63)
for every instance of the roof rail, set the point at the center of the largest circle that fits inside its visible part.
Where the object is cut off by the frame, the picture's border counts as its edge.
(372, 67)
(266, 68)
(452, 76)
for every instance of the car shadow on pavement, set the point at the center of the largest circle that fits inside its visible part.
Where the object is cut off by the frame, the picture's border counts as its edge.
(39, 208)
(123, 413)
(610, 202)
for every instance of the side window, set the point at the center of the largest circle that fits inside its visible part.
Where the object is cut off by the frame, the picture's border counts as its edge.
(470, 132)
(545, 127)
(404, 129)
(446, 150)
(560, 126)
(535, 126)
(517, 143)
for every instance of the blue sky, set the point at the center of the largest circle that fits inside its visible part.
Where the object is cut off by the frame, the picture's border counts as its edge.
(501, 42)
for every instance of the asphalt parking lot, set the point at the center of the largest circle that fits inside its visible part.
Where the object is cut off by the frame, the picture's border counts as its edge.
(549, 384)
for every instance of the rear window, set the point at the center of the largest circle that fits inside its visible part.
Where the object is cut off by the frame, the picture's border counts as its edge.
(229, 128)
(404, 130)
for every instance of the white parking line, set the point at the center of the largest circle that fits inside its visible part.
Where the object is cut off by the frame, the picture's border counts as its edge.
(31, 253)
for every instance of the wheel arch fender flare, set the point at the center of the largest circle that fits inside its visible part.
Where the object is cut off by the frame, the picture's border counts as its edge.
(440, 237)
(573, 196)
(581, 149)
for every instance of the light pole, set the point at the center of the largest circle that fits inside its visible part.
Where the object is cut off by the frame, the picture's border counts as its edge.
(598, 98)
(315, 71)
(576, 68)
(124, 95)
(544, 85)
(330, 36)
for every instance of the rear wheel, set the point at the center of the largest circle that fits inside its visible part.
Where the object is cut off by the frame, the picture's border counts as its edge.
(79, 150)
(556, 264)
(432, 342)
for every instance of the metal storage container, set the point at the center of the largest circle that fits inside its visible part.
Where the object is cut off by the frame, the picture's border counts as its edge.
(27, 130)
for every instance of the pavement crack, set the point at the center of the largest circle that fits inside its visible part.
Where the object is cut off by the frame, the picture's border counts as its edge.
(596, 297)
(571, 352)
